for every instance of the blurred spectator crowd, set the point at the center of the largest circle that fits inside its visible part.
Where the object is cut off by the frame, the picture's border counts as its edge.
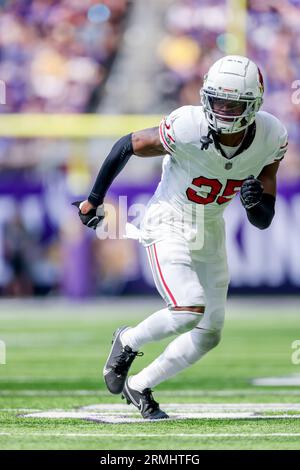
(55, 55)
(196, 37)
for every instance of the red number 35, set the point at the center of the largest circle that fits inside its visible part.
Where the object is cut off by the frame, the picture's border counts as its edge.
(231, 188)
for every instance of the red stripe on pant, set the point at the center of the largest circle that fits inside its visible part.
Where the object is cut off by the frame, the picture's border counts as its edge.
(157, 281)
(170, 295)
(159, 285)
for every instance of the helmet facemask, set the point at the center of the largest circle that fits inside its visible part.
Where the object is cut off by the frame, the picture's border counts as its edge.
(229, 113)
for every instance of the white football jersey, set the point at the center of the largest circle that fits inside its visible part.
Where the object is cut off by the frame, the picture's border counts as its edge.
(203, 179)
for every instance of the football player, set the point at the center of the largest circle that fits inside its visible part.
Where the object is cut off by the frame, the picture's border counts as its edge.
(212, 152)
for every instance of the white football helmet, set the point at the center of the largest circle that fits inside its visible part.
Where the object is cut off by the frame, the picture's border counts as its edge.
(232, 93)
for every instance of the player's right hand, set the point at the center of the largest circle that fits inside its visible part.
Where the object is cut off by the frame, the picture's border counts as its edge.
(89, 215)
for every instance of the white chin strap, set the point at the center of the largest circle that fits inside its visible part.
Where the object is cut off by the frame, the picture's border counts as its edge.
(224, 127)
(227, 128)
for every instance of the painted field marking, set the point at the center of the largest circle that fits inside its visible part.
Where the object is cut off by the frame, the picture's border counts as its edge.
(31, 410)
(53, 393)
(179, 393)
(143, 435)
(292, 380)
(121, 414)
(200, 407)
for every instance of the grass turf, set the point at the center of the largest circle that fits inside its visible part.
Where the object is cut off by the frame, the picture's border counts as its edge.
(55, 355)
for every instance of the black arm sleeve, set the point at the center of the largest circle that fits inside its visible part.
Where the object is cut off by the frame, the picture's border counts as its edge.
(262, 214)
(112, 165)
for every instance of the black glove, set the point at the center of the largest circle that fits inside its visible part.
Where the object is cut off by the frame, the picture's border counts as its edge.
(251, 192)
(93, 218)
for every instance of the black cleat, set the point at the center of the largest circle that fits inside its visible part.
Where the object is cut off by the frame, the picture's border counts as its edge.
(118, 363)
(144, 401)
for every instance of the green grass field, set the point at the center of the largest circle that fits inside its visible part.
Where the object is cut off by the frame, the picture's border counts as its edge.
(55, 355)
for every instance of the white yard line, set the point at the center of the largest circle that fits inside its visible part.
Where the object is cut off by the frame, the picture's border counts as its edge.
(27, 410)
(179, 393)
(287, 381)
(142, 435)
(53, 393)
(198, 407)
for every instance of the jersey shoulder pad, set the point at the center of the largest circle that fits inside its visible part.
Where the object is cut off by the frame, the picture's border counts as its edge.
(178, 128)
(275, 137)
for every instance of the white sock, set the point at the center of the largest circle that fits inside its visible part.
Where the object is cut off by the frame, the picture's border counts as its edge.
(179, 354)
(159, 325)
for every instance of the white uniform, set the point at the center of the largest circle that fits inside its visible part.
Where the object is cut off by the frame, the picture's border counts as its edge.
(187, 253)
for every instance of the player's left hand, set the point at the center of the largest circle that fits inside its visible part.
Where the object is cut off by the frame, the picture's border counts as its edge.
(89, 215)
(251, 192)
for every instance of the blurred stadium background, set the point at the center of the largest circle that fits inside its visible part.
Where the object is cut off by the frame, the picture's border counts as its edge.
(99, 62)
(77, 75)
